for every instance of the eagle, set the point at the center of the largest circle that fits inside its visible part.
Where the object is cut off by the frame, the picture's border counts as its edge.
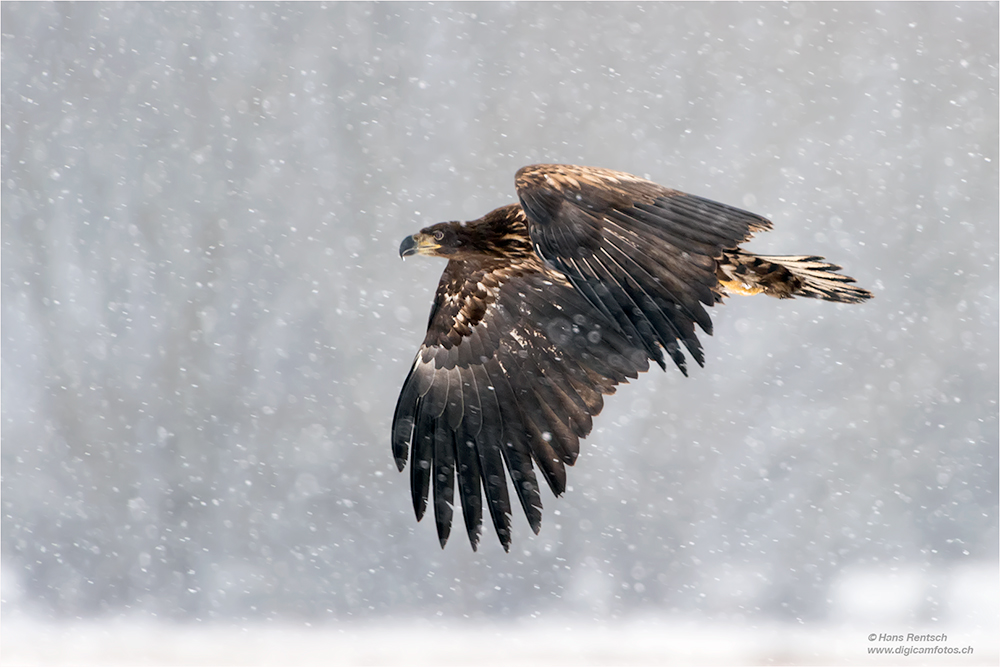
(544, 307)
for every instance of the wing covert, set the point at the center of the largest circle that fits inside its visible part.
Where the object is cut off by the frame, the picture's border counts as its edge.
(642, 254)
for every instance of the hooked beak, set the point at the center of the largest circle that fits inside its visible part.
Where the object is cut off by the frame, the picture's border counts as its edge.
(418, 244)
(408, 246)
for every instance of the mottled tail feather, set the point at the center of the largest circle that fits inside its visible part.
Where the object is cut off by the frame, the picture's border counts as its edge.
(785, 277)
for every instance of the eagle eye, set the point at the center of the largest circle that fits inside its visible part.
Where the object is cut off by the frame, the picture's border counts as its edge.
(438, 235)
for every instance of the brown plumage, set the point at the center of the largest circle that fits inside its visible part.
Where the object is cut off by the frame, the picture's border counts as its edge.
(545, 307)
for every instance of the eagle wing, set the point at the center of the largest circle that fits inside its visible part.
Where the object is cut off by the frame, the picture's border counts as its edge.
(513, 367)
(642, 254)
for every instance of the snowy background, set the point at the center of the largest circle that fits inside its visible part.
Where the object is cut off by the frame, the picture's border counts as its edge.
(205, 324)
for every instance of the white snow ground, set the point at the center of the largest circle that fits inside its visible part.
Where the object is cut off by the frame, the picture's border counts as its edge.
(864, 603)
(646, 641)
(866, 606)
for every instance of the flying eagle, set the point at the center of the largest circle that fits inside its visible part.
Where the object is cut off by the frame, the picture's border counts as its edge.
(545, 306)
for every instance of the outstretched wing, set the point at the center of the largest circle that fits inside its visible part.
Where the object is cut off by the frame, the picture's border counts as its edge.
(644, 255)
(513, 367)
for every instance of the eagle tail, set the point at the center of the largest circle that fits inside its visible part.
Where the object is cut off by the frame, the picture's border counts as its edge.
(788, 276)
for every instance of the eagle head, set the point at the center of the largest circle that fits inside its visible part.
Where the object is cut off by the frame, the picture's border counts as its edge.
(498, 234)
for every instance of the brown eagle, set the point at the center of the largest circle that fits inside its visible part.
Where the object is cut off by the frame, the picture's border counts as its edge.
(545, 306)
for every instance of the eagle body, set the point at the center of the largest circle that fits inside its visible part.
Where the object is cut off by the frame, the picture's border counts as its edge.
(544, 307)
